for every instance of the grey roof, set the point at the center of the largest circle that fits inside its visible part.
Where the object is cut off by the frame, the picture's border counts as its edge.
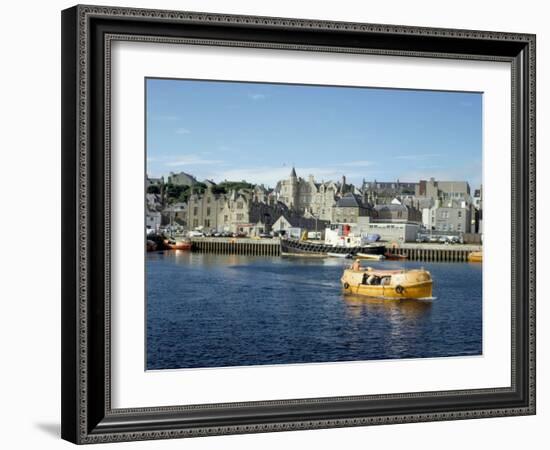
(349, 200)
(293, 173)
(390, 207)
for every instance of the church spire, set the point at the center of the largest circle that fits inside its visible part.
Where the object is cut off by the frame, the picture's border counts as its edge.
(293, 173)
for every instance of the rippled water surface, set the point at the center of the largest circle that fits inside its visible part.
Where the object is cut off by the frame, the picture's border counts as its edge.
(208, 310)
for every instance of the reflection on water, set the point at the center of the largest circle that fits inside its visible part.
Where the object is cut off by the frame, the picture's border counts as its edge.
(359, 304)
(228, 310)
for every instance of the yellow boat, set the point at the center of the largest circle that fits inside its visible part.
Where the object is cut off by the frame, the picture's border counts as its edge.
(475, 257)
(390, 284)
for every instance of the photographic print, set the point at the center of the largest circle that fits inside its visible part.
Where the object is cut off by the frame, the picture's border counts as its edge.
(296, 224)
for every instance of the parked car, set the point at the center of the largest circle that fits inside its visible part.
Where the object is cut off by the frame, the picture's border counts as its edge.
(265, 236)
(194, 233)
(422, 239)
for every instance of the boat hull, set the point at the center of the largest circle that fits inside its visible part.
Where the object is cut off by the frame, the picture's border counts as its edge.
(177, 245)
(388, 284)
(293, 247)
(475, 257)
(368, 256)
(414, 292)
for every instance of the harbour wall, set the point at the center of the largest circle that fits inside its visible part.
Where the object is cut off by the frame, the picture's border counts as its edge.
(434, 252)
(271, 247)
(236, 246)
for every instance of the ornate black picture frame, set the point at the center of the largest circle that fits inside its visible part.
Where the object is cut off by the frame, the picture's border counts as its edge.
(87, 33)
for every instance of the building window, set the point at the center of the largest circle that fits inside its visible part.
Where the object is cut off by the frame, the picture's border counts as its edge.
(459, 214)
(195, 211)
(195, 223)
(208, 211)
(239, 217)
(207, 222)
(207, 199)
(225, 219)
(239, 205)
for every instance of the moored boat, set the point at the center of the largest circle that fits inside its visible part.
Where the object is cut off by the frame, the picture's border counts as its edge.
(297, 247)
(173, 244)
(340, 255)
(370, 256)
(395, 257)
(388, 284)
(475, 257)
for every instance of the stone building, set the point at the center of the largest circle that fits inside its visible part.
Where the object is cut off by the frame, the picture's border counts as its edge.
(349, 208)
(396, 222)
(289, 220)
(452, 209)
(181, 179)
(153, 217)
(383, 192)
(453, 216)
(478, 210)
(308, 197)
(175, 213)
(203, 210)
(444, 190)
(248, 211)
(397, 212)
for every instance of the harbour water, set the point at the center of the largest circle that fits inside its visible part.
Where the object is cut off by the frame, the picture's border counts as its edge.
(208, 310)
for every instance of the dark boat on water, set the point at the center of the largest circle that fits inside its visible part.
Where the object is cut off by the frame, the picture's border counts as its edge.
(297, 247)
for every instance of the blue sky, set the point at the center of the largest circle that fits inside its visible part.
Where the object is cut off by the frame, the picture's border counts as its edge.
(257, 132)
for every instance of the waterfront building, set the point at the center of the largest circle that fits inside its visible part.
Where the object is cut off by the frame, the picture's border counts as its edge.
(452, 215)
(153, 220)
(478, 210)
(175, 213)
(397, 212)
(444, 190)
(234, 212)
(181, 179)
(310, 198)
(153, 217)
(383, 192)
(349, 208)
(293, 225)
(395, 222)
(203, 210)
(247, 211)
(453, 209)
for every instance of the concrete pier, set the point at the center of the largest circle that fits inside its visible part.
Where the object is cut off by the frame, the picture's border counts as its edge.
(271, 247)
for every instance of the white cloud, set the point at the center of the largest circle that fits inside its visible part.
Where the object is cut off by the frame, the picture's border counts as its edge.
(192, 160)
(418, 156)
(357, 164)
(182, 131)
(256, 97)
